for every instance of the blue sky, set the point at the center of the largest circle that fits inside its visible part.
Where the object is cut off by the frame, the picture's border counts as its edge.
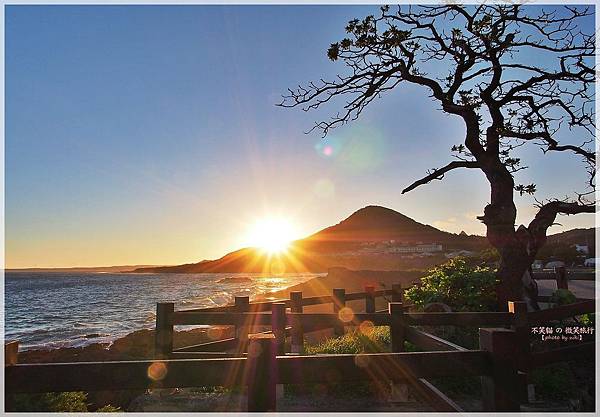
(150, 135)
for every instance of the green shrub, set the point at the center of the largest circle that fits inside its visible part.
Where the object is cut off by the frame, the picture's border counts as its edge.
(57, 402)
(461, 286)
(587, 319)
(109, 409)
(562, 296)
(555, 382)
(52, 402)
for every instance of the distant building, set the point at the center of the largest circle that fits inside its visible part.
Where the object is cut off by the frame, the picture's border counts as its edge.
(392, 246)
(419, 248)
(458, 253)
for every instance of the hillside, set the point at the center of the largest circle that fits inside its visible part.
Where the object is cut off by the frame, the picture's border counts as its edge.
(575, 236)
(379, 224)
(367, 239)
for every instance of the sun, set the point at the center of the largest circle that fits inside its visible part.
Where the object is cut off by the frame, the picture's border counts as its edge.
(273, 235)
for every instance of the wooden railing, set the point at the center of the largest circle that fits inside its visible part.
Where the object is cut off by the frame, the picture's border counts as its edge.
(295, 323)
(166, 318)
(503, 359)
(264, 369)
(562, 276)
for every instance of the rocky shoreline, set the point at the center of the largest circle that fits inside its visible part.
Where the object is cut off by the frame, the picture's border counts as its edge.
(140, 343)
(136, 345)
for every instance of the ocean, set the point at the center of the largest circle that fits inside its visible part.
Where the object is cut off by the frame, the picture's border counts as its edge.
(51, 310)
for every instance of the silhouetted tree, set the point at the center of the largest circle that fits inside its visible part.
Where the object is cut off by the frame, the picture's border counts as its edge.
(482, 64)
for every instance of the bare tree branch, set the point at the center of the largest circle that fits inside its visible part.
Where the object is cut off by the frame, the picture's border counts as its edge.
(438, 174)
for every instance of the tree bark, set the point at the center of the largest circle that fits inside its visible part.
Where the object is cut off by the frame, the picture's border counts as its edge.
(515, 248)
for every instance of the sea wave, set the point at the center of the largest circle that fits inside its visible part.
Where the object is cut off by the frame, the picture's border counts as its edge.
(46, 311)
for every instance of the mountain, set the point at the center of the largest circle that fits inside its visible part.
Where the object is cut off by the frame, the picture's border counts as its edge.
(371, 238)
(379, 224)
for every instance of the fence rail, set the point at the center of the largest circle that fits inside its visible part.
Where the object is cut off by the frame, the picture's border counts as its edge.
(561, 312)
(503, 360)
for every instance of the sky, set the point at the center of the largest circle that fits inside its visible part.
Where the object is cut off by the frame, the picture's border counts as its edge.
(150, 135)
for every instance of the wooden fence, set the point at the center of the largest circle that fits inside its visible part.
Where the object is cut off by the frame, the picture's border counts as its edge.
(260, 361)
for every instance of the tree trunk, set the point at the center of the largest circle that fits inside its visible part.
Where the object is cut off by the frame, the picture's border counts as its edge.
(515, 278)
(516, 254)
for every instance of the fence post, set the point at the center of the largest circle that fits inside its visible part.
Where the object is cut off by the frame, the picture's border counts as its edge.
(399, 392)
(297, 332)
(561, 278)
(242, 305)
(278, 322)
(521, 328)
(339, 302)
(397, 293)
(397, 330)
(11, 353)
(262, 373)
(369, 299)
(500, 387)
(163, 337)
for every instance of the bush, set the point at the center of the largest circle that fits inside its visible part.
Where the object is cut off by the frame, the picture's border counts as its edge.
(52, 402)
(587, 319)
(461, 286)
(57, 402)
(562, 296)
(109, 409)
(554, 382)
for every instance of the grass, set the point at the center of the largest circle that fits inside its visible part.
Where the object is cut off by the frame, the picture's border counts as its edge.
(377, 339)
(365, 340)
(59, 402)
(373, 339)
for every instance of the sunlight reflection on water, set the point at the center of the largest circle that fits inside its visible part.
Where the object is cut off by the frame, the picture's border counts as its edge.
(58, 309)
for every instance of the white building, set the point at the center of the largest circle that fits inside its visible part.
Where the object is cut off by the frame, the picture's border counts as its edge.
(465, 253)
(421, 248)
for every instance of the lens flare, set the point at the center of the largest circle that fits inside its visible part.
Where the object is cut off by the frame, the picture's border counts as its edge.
(328, 149)
(157, 371)
(366, 327)
(324, 188)
(346, 314)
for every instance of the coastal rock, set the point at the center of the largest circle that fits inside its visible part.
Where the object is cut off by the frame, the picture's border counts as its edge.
(135, 345)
